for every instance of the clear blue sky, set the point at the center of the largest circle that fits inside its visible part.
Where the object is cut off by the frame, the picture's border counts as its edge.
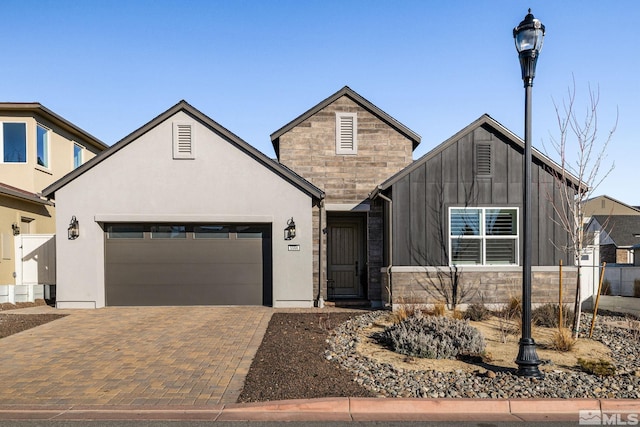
(111, 66)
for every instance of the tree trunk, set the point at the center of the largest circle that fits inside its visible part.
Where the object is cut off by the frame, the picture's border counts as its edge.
(577, 308)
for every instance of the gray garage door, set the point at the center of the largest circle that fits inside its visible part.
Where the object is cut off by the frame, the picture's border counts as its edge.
(187, 264)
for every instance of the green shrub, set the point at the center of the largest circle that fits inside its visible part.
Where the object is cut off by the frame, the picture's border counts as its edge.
(548, 315)
(477, 312)
(433, 337)
(597, 367)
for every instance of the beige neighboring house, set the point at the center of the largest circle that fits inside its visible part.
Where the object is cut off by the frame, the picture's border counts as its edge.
(605, 205)
(37, 147)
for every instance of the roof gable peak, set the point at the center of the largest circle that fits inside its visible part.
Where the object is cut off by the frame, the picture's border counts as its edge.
(357, 98)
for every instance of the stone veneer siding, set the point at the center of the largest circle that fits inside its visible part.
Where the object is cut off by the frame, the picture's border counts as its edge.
(489, 287)
(309, 149)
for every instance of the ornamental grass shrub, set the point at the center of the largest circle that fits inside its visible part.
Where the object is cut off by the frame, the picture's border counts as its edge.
(477, 312)
(548, 315)
(434, 337)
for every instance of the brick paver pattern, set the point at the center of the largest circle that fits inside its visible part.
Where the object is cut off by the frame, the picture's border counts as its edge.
(135, 355)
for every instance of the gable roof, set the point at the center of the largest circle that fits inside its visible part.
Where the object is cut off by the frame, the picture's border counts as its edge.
(604, 196)
(622, 229)
(235, 140)
(484, 120)
(38, 109)
(367, 105)
(18, 193)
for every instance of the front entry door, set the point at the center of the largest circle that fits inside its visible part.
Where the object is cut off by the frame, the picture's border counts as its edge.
(345, 257)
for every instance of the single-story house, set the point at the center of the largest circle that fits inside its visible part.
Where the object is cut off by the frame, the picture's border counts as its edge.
(182, 211)
(618, 235)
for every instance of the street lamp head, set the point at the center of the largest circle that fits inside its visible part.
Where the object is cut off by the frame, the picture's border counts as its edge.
(528, 37)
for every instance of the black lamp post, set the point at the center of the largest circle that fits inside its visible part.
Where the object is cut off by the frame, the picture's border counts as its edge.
(528, 37)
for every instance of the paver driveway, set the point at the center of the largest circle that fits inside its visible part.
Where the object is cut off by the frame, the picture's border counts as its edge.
(129, 356)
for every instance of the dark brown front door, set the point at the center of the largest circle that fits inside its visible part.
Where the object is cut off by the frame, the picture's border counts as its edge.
(345, 256)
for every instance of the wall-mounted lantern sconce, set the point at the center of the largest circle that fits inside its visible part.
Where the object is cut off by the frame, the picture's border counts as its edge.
(290, 231)
(74, 230)
(16, 228)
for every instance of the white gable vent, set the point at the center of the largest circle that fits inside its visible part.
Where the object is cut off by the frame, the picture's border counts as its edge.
(346, 133)
(183, 141)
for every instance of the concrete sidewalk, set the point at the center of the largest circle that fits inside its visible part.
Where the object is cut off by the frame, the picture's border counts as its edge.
(349, 409)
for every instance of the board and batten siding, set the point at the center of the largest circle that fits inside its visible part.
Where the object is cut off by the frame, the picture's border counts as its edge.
(448, 177)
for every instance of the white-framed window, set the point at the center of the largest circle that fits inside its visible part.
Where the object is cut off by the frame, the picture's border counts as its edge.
(483, 236)
(346, 133)
(13, 136)
(42, 146)
(183, 140)
(77, 155)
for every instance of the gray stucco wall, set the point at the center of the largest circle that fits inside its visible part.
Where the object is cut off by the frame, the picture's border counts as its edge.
(142, 182)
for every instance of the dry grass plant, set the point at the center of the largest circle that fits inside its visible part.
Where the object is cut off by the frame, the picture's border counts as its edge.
(439, 309)
(509, 319)
(633, 325)
(563, 340)
(324, 321)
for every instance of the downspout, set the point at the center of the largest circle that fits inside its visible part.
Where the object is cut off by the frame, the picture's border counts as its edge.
(373, 195)
(320, 266)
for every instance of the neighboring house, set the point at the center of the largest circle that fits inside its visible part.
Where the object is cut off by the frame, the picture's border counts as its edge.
(618, 235)
(184, 212)
(37, 147)
(605, 205)
(346, 146)
(455, 216)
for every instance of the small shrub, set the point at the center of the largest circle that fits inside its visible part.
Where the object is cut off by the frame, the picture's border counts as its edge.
(457, 314)
(547, 315)
(439, 309)
(403, 312)
(477, 312)
(606, 288)
(563, 340)
(633, 326)
(636, 288)
(597, 367)
(433, 337)
(511, 309)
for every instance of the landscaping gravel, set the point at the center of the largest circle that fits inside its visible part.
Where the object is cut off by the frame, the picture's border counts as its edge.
(386, 380)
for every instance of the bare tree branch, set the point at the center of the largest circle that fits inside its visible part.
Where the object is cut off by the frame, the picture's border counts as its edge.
(578, 137)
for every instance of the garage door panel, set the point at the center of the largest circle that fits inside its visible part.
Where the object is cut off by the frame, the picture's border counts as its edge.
(232, 251)
(188, 271)
(153, 294)
(167, 274)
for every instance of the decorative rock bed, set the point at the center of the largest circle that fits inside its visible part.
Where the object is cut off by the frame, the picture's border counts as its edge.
(389, 381)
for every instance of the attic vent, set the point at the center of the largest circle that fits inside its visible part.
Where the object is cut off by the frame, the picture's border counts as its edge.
(483, 159)
(183, 141)
(346, 133)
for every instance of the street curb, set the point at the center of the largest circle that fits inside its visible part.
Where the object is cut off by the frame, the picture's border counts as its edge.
(342, 409)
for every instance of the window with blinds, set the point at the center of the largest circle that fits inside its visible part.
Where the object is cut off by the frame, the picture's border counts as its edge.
(483, 236)
(183, 141)
(346, 133)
